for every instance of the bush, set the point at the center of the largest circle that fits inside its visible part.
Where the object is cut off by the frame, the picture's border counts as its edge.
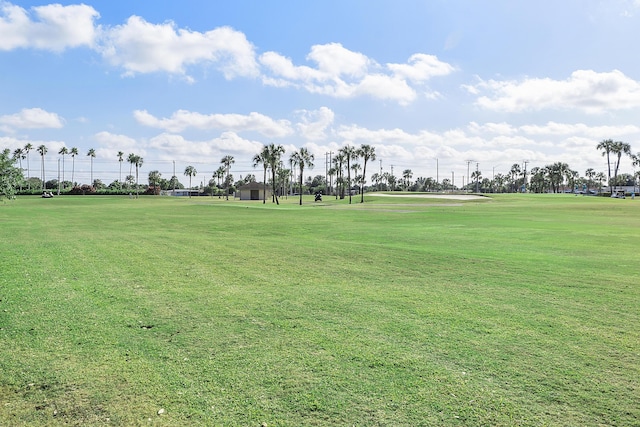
(82, 190)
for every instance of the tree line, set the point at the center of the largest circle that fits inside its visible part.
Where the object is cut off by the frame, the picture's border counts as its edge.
(345, 177)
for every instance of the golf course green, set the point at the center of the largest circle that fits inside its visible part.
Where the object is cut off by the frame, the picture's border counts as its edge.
(508, 310)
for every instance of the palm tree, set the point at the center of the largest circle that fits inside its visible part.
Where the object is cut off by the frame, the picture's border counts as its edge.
(275, 153)
(63, 151)
(219, 173)
(154, 177)
(590, 174)
(26, 149)
(91, 153)
(407, 174)
(190, 171)
(619, 148)
(349, 154)
(136, 161)
(131, 158)
(476, 176)
(302, 158)
(515, 172)
(367, 153)
(261, 158)
(42, 150)
(606, 146)
(227, 161)
(120, 160)
(74, 153)
(18, 154)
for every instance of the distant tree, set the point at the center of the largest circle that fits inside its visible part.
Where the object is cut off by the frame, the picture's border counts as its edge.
(137, 162)
(18, 154)
(367, 153)
(476, 176)
(92, 154)
(606, 146)
(349, 153)
(62, 152)
(173, 183)
(261, 159)
(131, 158)
(120, 160)
(74, 153)
(28, 147)
(514, 172)
(274, 156)
(190, 171)
(590, 174)
(302, 158)
(154, 178)
(619, 148)
(42, 149)
(338, 161)
(600, 177)
(227, 161)
(10, 176)
(407, 174)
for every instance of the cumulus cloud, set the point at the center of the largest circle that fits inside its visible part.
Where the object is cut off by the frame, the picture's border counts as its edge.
(584, 90)
(421, 67)
(51, 27)
(342, 73)
(31, 118)
(177, 147)
(142, 47)
(313, 124)
(183, 119)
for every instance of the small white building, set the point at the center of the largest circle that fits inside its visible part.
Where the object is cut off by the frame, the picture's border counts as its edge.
(254, 191)
(183, 192)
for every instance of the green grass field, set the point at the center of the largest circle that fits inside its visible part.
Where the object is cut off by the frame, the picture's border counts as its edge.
(517, 310)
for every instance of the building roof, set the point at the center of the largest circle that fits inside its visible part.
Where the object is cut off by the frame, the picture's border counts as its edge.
(254, 186)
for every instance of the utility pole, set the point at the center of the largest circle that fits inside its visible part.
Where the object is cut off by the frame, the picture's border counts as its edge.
(437, 174)
(452, 180)
(330, 188)
(468, 176)
(392, 176)
(524, 184)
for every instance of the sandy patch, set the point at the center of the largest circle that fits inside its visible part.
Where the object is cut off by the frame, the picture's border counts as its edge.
(434, 196)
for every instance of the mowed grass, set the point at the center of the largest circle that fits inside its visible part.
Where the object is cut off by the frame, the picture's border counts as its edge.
(518, 310)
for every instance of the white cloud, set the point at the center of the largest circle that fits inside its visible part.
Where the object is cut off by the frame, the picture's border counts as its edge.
(593, 132)
(314, 124)
(342, 73)
(31, 118)
(113, 143)
(585, 90)
(421, 68)
(176, 147)
(183, 119)
(55, 28)
(142, 47)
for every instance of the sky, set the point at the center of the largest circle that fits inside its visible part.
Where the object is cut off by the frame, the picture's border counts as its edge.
(436, 86)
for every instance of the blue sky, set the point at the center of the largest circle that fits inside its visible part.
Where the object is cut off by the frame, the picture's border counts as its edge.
(496, 82)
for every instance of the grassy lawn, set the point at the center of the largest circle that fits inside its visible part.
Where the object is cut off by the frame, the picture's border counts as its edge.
(517, 310)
